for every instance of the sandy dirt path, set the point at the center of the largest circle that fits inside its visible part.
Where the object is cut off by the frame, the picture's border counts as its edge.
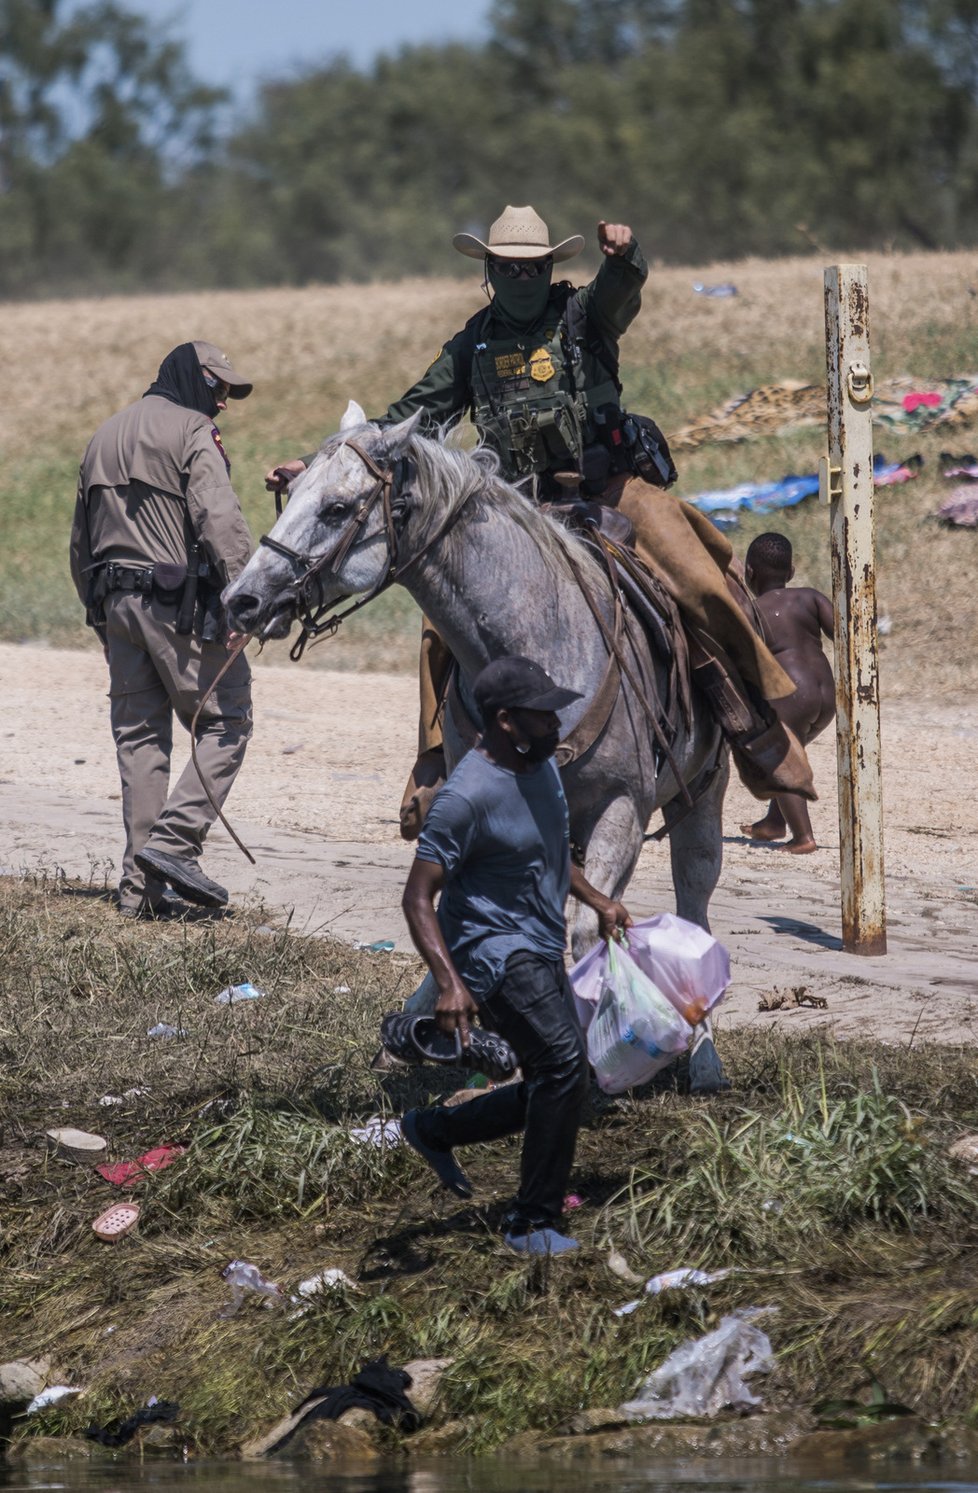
(316, 802)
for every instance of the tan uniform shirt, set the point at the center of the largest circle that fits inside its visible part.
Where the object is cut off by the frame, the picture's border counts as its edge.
(153, 478)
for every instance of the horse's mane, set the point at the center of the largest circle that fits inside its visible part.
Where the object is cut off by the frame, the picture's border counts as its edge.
(452, 477)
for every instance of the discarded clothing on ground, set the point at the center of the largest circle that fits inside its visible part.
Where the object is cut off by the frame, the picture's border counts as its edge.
(120, 1433)
(762, 497)
(124, 1173)
(377, 1387)
(903, 403)
(960, 509)
(959, 466)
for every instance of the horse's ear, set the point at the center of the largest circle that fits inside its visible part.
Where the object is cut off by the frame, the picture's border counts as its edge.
(396, 438)
(353, 417)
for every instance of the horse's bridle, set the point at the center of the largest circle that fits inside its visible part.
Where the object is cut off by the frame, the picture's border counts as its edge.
(392, 489)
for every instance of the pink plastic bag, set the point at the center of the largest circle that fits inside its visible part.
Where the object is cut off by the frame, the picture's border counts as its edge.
(689, 966)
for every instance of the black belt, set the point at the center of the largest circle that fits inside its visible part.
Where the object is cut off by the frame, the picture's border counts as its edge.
(124, 578)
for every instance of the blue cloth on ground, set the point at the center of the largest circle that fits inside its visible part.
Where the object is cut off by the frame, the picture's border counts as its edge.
(762, 497)
(503, 840)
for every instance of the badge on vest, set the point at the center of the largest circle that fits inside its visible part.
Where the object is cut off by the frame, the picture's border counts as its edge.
(509, 365)
(542, 365)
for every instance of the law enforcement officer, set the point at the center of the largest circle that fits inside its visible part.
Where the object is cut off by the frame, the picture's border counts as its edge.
(538, 371)
(158, 534)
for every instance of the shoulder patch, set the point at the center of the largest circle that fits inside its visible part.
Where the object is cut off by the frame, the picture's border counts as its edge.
(216, 438)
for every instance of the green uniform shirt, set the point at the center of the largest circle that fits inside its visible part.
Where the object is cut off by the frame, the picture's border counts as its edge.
(531, 401)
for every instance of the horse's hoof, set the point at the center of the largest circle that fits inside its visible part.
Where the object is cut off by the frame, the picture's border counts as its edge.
(706, 1073)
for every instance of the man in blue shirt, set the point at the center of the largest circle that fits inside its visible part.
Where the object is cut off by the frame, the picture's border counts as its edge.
(495, 847)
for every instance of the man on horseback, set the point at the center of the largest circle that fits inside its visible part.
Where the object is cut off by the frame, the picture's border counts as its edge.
(538, 371)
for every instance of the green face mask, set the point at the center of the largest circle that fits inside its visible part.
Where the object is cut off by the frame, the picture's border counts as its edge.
(522, 302)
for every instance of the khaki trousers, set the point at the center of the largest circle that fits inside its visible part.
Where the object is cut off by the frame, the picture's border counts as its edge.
(690, 557)
(153, 675)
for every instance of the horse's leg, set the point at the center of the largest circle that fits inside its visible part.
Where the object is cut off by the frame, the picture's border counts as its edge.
(696, 847)
(611, 852)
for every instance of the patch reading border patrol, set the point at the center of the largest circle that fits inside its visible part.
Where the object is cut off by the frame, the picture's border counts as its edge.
(510, 365)
(216, 438)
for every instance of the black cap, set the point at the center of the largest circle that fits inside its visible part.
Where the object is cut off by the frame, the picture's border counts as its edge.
(518, 684)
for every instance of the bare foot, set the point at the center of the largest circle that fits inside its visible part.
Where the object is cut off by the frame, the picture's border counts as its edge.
(799, 847)
(764, 830)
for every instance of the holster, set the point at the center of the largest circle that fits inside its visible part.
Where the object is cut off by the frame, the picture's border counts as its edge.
(188, 601)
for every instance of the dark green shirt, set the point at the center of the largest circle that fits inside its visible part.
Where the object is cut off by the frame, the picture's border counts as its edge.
(611, 302)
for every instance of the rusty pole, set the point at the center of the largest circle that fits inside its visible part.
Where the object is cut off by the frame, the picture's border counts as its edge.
(847, 484)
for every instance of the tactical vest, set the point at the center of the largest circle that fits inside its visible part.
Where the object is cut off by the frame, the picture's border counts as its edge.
(540, 400)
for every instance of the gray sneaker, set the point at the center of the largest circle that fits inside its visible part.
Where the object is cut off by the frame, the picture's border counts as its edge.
(184, 876)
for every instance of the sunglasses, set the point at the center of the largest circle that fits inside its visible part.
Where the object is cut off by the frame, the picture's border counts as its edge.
(519, 269)
(219, 388)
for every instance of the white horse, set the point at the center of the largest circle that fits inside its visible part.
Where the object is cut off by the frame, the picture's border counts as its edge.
(497, 577)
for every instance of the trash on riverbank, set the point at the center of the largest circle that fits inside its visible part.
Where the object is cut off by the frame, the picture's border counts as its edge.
(77, 1145)
(120, 1433)
(245, 1279)
(619, 1266)
(327, 1280)
(51, 1396)
(382, 946)
(235, 993)
(164, 1029)
(965, 1149)
(384, 1134)
(673, 1280)
(708, 1374)
(125, 1172)
(117, 1221)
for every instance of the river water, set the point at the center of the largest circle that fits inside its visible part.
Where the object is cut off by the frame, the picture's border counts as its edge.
(459, 1475)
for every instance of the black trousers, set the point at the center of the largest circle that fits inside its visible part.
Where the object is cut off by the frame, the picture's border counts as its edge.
(533, 1009)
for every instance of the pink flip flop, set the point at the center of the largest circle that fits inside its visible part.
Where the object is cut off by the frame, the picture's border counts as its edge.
(116, 1221)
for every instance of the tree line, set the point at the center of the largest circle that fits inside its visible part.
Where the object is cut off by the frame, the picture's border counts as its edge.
(718, 128)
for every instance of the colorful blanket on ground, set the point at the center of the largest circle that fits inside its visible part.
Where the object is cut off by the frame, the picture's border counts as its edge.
(901, 403)
(764, 497)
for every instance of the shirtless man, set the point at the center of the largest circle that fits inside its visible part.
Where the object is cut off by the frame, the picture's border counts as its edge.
(794, 620)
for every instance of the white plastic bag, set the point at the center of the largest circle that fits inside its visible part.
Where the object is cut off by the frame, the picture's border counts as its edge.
(687, 964)
(635, 1031)
(706, 1375)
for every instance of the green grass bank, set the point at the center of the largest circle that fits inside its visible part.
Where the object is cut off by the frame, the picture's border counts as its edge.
(823, 1183)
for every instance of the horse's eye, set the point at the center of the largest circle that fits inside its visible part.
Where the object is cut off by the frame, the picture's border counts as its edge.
(335, 510)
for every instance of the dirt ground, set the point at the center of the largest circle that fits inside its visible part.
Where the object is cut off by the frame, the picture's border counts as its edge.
(317, 798)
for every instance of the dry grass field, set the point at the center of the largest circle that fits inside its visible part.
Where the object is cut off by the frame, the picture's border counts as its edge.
(71, 363)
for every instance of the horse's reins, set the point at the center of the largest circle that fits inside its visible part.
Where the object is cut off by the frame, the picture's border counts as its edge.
(233, 654)
(390, 487)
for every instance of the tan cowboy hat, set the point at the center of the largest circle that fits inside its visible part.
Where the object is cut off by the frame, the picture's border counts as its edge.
(520, 233)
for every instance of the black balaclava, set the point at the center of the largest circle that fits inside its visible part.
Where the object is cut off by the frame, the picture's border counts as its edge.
(181, 381)
(521, 303)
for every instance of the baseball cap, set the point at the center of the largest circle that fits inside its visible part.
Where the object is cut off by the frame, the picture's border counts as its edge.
(518, 683)
(210, 356)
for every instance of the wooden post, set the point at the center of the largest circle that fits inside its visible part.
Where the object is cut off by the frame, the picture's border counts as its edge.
(847, 484)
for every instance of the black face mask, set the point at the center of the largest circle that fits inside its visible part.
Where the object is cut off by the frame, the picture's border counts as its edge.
(181, 380)
(522, 302)
(539, 748)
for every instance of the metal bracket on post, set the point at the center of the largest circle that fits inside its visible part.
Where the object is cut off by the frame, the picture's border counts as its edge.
(846, 483)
